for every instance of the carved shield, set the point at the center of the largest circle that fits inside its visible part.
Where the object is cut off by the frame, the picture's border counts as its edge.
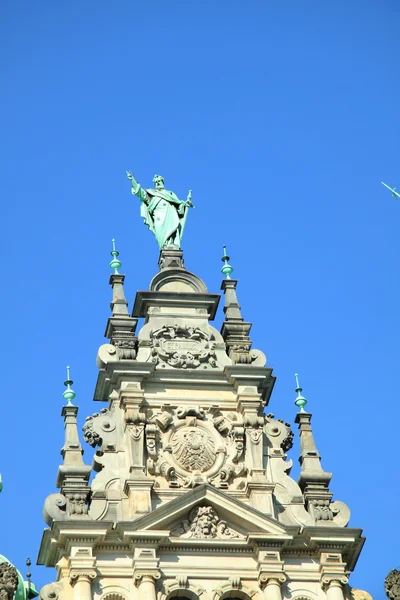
(193, 448)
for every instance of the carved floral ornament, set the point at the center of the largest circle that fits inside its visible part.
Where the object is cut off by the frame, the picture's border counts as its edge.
(182, 347)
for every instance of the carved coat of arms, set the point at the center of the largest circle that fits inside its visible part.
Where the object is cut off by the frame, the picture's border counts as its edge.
(193, 448)
(182, 347)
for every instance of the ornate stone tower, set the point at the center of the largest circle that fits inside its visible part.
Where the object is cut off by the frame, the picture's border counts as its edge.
(191, 496)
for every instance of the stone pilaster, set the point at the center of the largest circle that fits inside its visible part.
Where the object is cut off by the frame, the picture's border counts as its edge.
(271, 585)
(81, 580)
(333, 575)
(146, 573)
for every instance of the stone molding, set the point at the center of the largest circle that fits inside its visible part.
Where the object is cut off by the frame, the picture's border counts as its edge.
(82, 575)
(265, 578)
(234, 588)
(333, 580)
(146, 574)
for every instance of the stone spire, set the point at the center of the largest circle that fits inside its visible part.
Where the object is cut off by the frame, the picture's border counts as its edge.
(235, 330)
(73, 474)
(313, 480)
(120, 326)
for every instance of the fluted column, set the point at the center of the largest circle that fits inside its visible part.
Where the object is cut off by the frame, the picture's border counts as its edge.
(82, 584)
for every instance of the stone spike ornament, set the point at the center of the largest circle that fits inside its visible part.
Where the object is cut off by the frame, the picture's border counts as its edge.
(115, 263)
(120, 326)
(162, 211)
(227, 269)
(300, 401)
(393, 190)
(69, 393)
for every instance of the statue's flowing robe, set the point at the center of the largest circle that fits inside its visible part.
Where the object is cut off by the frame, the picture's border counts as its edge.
(163, 213)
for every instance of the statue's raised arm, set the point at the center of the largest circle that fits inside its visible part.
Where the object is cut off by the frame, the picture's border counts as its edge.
(163, 212)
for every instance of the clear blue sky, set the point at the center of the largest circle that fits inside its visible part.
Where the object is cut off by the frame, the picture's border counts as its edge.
(283, 118)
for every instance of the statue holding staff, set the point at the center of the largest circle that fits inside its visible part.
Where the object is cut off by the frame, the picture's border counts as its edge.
(163, 212)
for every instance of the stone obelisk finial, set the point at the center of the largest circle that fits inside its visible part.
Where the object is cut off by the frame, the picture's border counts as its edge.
(121, 326)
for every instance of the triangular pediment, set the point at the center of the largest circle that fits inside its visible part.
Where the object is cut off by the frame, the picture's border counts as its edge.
(208, 513)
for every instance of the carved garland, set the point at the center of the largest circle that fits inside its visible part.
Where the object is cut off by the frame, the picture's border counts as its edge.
(182, 347)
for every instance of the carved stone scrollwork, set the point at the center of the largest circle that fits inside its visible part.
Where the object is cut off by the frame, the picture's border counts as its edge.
(204, 523)
(392, 585)
(151, 444)
(220, 423)
(98, 427)
(151, 574)
(51, 591)
(195, 411)
(182, 347)
(8, 581)
(279, 433)
(79, 575)
(267, 578)
(164, 420)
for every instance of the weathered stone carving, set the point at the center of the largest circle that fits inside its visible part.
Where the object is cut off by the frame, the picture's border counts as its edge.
(392, 585)
(151, 431)
(320, 510)
(8, 581)
(194, 411)
(193, 448)
(126, 346)
(77, 503)
(240, 354)
(182, 347)
(96, 426)
(220, 423)
(204, 523)
(164, 420)
(51, 591)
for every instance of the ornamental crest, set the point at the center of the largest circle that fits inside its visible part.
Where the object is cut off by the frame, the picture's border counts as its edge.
(193, 448)
(204, 523)
(182, 347)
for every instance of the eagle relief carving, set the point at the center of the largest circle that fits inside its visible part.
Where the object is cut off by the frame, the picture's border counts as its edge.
(193, 448)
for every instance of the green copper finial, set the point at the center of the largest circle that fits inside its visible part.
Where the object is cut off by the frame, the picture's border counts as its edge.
(69, 393)
(115, 263)
(226, 269)
(300, 401)
(393, 190)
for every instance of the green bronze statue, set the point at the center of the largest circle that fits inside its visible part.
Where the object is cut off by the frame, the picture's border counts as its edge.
(162, 211)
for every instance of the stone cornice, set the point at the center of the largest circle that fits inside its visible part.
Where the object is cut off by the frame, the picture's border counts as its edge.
(86, 533)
